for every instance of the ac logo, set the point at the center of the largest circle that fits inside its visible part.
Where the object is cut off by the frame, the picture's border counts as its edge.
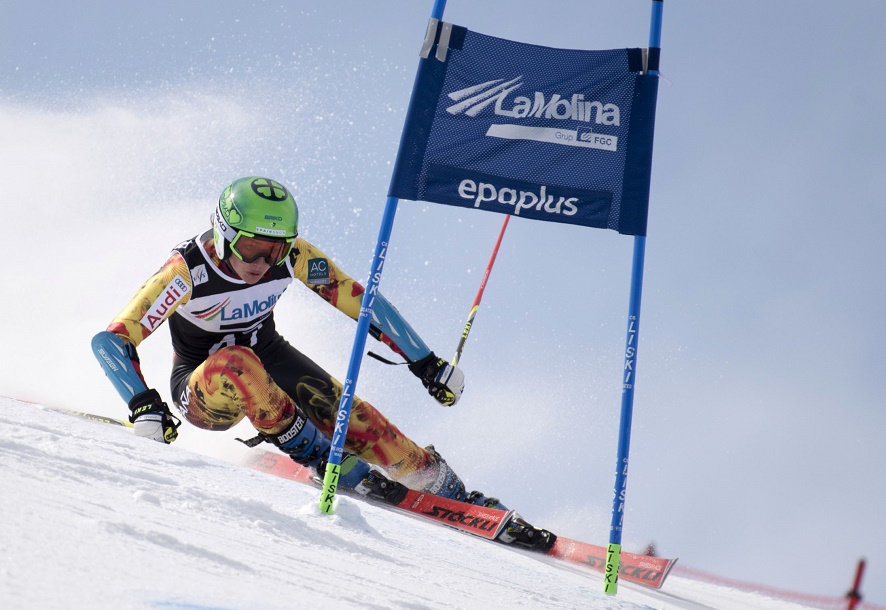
(318, 271)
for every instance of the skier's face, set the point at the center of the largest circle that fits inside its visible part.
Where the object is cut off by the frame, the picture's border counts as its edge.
(249, 272)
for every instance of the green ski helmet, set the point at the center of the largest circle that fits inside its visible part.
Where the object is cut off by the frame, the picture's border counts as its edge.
(255, 209)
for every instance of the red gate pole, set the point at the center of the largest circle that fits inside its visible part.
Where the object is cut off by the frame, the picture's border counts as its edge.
(854, 594)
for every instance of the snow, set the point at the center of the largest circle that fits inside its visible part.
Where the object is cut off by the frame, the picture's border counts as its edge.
(97, 518)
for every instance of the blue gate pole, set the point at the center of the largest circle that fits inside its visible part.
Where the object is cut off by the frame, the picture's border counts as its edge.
(613, 554)
(340, 433)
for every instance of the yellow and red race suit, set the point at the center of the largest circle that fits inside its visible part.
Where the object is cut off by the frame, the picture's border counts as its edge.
(230, 362)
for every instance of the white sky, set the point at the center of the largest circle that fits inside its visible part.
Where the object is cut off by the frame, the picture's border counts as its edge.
(758, 427)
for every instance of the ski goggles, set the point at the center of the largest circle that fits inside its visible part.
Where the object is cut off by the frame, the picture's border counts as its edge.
(250, 248)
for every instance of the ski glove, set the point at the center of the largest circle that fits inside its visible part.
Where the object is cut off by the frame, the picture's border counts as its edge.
(444, 381)
(151, 417)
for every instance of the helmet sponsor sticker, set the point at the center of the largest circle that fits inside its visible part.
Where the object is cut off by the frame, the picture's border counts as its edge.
(318, 271)
(270, 227)
(267, 231)
(221, 221)
(162, 307)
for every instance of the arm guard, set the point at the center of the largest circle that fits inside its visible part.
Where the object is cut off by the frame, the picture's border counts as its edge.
(392, 329)
(120, 362)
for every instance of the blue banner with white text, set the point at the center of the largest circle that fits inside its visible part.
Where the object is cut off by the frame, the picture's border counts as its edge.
(549, 134)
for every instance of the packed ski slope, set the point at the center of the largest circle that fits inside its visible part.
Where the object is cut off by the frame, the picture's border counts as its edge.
(96, 518)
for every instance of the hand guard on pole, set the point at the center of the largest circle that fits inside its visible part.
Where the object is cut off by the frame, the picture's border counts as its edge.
(444, 381)
(151, 417)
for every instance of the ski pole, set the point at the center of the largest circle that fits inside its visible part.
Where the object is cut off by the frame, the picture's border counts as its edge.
(476, 305)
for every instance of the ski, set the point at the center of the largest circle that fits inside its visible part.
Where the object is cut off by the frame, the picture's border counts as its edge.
(101, 419)
(486, 523)
(639, 569)
(480, 521)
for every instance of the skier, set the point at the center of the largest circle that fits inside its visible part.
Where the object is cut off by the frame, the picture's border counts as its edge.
(218, 291)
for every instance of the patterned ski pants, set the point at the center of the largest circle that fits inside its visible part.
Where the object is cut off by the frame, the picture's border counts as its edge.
(269, 384)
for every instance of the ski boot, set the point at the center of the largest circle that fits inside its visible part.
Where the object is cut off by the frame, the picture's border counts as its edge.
(517, 531)
(446, 483)
(306, 445)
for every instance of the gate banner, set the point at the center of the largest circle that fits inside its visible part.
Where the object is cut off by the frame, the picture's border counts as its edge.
(549, 134)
